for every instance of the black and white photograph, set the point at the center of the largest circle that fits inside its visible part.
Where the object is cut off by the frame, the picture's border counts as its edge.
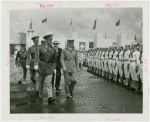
(76, 60)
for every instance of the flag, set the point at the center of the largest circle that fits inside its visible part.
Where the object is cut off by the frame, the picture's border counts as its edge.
(71, 22)
(141, 24)
(135, 38)
(91, 44)
(94, 25)
(44, 21)
(118, 23)
(82, 45)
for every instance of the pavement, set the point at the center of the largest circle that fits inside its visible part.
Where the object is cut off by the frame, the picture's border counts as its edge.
(91, 95)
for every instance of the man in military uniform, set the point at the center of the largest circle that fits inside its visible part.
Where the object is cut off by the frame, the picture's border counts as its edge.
(95, 60)
(141, 67)
(134, 65)
(69, 61)
(102, 61)
(99, 62)
(106, 63)
(120, 61)
(30, 61)
(45, 63)
(20, 62)
(57, 72)
(126, 61)
(115, 64)
(92, 56)
(110, 62)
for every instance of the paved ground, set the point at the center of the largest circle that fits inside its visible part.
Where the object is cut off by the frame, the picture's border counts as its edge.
(92, 95)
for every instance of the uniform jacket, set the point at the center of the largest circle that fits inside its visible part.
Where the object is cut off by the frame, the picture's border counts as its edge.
(58, 62)
(21, 58)
(31, 56)
(46, 59)
(69, 60)
(135, 57)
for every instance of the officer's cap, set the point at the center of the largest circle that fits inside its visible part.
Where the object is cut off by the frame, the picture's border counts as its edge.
(70, 40)
(48, 35)
(56, 42)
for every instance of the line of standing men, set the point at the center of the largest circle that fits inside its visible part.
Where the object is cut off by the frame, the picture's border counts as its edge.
(46, 61)
(121, 65)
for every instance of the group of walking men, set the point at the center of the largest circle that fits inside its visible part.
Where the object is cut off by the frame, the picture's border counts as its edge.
(45, 62)
(121, 65)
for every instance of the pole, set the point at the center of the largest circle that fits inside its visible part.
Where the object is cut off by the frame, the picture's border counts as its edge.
(71, 27)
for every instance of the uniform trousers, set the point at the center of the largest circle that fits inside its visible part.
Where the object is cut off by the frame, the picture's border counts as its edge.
(105, 66)
(58, 78)
(110, 65)
(134, 75)
(70, 81)
(22, 72)
(126, 72)
(141, 74)
(47, 79)
(113, 66)
(120, 68)
(34, 76)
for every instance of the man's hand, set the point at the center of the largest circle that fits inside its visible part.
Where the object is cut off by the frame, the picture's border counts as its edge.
(15, 66)
(27, 66)
(78, 69)
(136, 69)
(54, 71)
(36, 67)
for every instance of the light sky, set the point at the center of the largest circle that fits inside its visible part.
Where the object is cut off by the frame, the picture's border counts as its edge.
(83, 21)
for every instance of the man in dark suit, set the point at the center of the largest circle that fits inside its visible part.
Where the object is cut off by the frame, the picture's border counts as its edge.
(58, 67)
(45, 60)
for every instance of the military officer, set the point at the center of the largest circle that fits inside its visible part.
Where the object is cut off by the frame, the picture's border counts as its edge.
(102, 62)
(110, 62)
(141, 67)
(70, 65)
(20, 62)
(134, 65)
(120, 61)
(126, 61)
(106, 63)
(88, 60)
(115, 64)
(45, 63)
(99, 62)
(30, 61)
(95, 60)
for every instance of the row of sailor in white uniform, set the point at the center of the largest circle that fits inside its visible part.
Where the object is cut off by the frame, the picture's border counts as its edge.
(123, 65)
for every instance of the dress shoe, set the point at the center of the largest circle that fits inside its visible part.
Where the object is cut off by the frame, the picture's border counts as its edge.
(71, 94)
(37, 92)
(20, 82)
(67, 96)
(50, 100)
(58, 90)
